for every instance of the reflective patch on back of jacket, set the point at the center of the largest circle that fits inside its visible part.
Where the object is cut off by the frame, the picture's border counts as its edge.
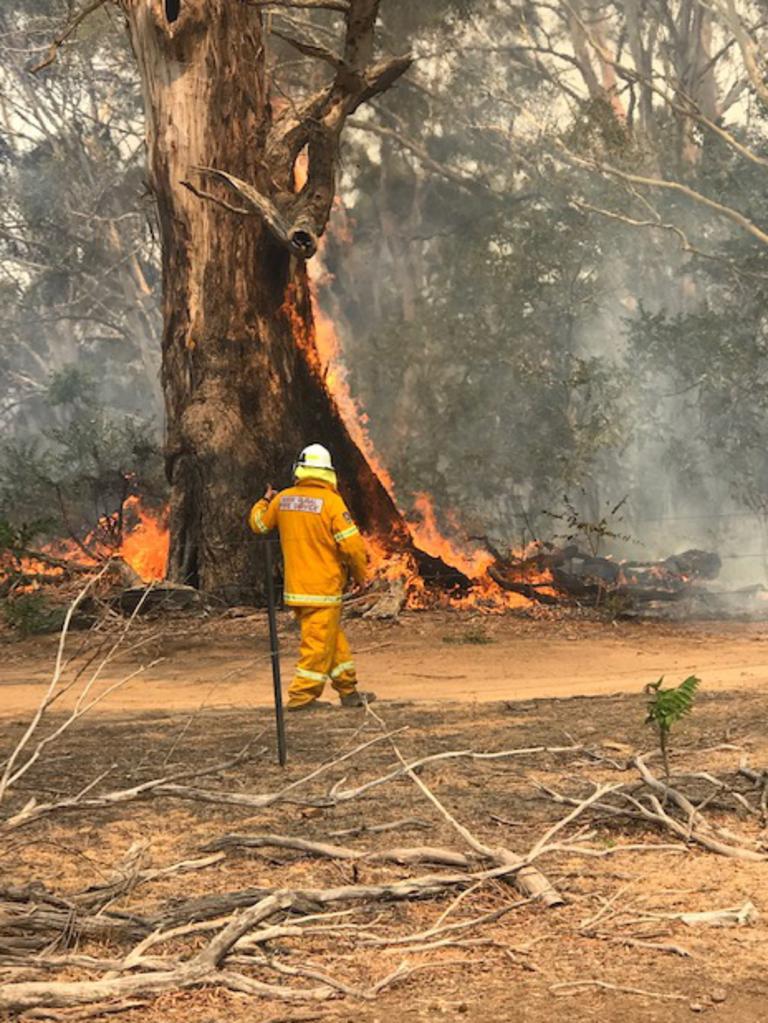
(294, 502)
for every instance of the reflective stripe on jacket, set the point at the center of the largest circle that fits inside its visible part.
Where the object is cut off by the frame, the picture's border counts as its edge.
(320, 541)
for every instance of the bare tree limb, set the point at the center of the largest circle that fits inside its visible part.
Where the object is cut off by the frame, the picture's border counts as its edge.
(298, 220)
(9, 776)
(312, 50)
(570, 987)
(210, 197)
(264, 207)
(418, 854)
(71, 27)
(748, 48)
(728, 212)
(659, 225)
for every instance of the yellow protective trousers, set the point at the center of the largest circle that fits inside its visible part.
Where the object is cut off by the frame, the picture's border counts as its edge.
(324, 656)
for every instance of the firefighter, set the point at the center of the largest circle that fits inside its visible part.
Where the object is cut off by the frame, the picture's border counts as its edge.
(321, 547)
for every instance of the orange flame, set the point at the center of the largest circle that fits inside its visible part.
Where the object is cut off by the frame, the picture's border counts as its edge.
(145, 547)
(324, 352)
(300, 171)
(474, 564)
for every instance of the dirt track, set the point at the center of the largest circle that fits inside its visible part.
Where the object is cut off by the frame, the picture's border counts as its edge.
(425, 656)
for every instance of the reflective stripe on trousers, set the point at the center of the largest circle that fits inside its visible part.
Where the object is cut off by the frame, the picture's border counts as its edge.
(311, 599)
(324, 655)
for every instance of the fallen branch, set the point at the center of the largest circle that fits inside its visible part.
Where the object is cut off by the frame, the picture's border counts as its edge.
(697, 828)
(418, 854)
(571, 987)
(373, 829)
(205, 967)
(441, 929)
(9, 775)
(647, 807)
(33, 812)
(737, 916)
(168, 786)
(528, 879)
(531, 590)
(655, 946)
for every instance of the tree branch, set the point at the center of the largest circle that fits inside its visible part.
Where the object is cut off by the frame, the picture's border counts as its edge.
(412, 146)
(660, 225)
(68, 30)
(312, 50)
(748, 49)
(298, 234)
(298, 221)
(210, 197)
(671, 186)
(688, 108)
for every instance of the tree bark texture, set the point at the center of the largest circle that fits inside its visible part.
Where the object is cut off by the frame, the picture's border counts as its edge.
(242, 382)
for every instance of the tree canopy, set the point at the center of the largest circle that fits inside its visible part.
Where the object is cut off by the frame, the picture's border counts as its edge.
(546, 271)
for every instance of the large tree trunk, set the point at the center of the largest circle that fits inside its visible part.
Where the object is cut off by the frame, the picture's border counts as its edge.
(243, 390)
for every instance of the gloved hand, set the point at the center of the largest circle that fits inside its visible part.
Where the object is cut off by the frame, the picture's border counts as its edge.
(269, 493)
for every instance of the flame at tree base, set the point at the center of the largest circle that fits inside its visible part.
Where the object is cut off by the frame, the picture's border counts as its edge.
(321, 346)
(140, 536)
(137, 535)
(146, 545)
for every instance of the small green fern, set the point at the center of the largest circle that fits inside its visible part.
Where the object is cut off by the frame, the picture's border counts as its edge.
(668, 706)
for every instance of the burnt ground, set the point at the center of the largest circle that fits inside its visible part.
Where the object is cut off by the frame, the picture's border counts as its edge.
(503, 970)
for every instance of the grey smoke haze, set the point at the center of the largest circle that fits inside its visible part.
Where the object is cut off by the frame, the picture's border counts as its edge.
(487, 329)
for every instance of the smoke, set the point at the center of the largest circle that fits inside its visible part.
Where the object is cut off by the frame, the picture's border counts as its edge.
(508, 364)
(509, 349)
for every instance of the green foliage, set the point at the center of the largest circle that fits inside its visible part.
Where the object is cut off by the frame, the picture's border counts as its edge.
(30, 614)
(591, 533)
(17, 537)
(82, 469)
(488, 363)
(598, 129)
(80, 270)
(508, 341)
(668, 706)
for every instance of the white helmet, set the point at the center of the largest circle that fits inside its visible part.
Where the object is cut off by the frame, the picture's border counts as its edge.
(314, 456)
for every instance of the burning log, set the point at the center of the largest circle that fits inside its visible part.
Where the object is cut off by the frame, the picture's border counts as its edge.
(571, 573)
(438, 572)
(533, 591)
(670, 579)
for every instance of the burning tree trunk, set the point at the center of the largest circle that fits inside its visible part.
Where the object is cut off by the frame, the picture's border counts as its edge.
(242, 381)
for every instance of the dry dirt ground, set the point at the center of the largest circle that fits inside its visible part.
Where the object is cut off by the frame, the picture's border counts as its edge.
(453, 682)
(224, 662)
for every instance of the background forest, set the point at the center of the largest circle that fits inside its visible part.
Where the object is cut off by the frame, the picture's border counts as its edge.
(534, 332)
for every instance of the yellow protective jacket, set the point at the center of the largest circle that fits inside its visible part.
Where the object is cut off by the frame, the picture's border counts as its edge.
(320, 542)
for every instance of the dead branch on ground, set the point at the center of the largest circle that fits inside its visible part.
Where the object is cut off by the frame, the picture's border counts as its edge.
(655, 803)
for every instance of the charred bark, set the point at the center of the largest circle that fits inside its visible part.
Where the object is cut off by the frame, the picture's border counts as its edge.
(576, 575)
(242, 383)
(533, 591)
